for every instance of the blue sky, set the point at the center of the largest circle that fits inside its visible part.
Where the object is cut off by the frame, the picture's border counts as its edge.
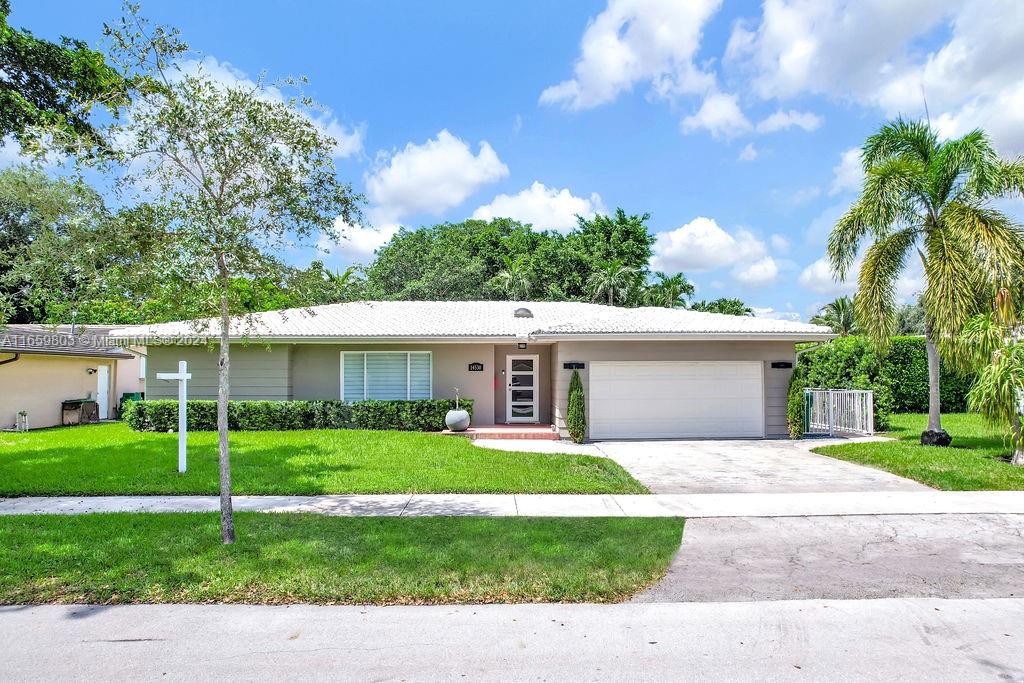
(732, 123)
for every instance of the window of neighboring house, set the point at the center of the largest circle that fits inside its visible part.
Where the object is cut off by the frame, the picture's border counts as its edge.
(385, 375)
(142, 367)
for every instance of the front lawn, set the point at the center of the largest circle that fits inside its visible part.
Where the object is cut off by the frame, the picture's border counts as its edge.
(978, 460)
(110, 459)
(307, 558)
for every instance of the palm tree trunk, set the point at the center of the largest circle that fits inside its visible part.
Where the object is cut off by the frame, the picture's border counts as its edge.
(1018, 445)
(934, 406)
(227, 517)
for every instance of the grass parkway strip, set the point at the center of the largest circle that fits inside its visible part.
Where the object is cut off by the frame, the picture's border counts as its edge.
(302, 558)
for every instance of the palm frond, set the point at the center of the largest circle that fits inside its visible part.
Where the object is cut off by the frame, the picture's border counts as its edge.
(900, 138)
(953, 278)
(845, 239)
(971, 158)
(875, 302)
(893, 189)
(1011, 177)
(999, 241)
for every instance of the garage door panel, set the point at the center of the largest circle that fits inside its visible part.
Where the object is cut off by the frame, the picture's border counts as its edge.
(667, 399)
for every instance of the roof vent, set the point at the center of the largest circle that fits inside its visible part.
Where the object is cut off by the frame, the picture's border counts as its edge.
(523, 313)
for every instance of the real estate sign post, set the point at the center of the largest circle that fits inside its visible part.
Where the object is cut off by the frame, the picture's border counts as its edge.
(182, 376)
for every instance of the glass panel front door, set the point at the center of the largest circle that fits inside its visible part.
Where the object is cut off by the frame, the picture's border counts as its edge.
(521, 389)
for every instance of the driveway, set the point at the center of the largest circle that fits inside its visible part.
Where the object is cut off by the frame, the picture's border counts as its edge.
(846, 558)
(746, 466)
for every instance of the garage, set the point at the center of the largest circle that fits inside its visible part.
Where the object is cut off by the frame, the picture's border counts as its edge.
(676, 399)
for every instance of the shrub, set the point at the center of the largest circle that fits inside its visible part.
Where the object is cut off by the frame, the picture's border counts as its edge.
(424, 416)
(576, 411)
(899, 378)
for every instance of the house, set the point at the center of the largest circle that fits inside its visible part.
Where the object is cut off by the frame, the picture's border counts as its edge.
(647, 372)
(41, 366)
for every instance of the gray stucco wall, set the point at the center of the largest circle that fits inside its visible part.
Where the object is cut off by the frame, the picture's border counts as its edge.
(316, 372)
(257, 371)
(543, 393)
(776, 381)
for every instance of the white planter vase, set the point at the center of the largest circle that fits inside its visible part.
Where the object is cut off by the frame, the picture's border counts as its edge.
(457, 420)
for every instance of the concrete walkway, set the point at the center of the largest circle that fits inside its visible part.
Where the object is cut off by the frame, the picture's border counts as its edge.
(540, 505)
(805, 640)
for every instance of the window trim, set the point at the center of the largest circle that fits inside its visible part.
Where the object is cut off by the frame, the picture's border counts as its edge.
(408, 372)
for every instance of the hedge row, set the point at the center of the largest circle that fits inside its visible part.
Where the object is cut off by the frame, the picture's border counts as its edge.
(415, 416)
(899, 378)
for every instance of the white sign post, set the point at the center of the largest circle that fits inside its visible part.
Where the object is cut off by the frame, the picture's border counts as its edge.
(182, 376)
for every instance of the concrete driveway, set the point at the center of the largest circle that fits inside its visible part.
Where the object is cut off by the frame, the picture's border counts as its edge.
(847, 558)
(746, 466)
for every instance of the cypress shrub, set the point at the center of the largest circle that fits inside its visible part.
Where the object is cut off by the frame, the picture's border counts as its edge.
(576, 412)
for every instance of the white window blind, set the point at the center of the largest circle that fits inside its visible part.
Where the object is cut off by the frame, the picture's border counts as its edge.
(386, 375)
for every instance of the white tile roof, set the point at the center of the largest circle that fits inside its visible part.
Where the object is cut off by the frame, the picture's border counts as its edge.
(481, 319)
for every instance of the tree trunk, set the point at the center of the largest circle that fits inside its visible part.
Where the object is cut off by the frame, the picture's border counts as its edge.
(611, 296)
(227, 518)
(934, 410)
(1018, 446)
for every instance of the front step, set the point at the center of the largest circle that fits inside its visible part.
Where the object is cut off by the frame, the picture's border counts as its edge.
(532, 432)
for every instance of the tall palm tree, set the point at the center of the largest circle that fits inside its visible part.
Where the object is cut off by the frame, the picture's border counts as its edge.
(611, 280)
(670, 292)
(931, 200)
(512, 280)
(838, 315)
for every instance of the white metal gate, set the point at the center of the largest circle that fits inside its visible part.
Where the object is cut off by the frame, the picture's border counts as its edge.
(839, 411)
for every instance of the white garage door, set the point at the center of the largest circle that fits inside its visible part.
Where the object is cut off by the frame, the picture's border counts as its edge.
(674, 399)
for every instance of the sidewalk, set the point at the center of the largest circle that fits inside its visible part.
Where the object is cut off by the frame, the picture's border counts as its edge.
(542, 505)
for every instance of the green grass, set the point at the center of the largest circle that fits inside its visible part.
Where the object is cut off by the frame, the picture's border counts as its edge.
(307, 558)
(978, 459)
(110, 459)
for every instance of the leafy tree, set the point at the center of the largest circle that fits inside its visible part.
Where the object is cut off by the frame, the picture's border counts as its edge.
(512, 280)
(611, 280)
(576, 409)
(724, 306)
(49, 228)
(670, 292)
(838, 315)
(910, 319)
(930, 200)
(991, 343)
(51, 88)
(240, 175)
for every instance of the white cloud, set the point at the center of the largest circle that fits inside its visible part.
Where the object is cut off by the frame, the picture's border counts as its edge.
(780, 243)
(818, 278)
(348, 140)
(702, 245)
(805, 194)
(358, 242)
(870, 52)
(781, 120)
(761, 272)
(720, 115)
(773, 314)
(543, 207)
(848, 174)
(429, 178)
(637, 41)
(10, 153)
(748, 153)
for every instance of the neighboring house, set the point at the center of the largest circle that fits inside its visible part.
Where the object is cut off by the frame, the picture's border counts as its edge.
(42, 366)
(647, 372)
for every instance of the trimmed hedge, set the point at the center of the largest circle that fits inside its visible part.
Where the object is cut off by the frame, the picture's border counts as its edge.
(246, 416)
(899, 378)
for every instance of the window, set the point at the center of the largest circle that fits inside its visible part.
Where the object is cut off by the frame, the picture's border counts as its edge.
(385, 375)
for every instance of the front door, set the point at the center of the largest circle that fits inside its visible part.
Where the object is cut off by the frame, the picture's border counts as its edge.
(103, 390)
(521, 389)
